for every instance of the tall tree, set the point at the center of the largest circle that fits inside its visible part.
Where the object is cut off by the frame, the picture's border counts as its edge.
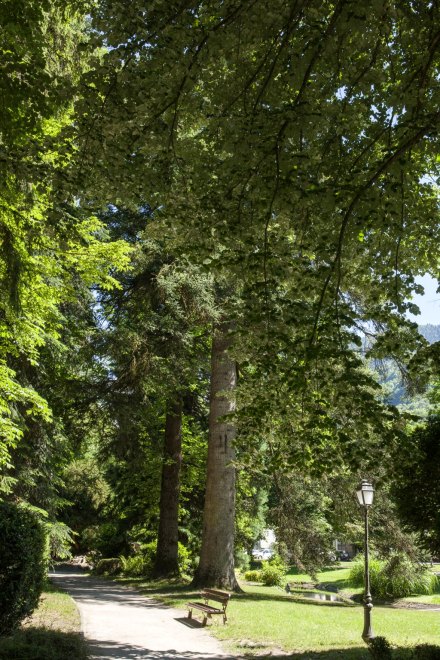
(48, 241)
(158, 342)
(216, 567)
(168, 534)
(288, 149)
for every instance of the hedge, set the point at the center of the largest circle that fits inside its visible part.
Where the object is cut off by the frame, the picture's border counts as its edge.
(23, 564)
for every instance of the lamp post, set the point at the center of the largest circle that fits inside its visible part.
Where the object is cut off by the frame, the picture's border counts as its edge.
(365, 494)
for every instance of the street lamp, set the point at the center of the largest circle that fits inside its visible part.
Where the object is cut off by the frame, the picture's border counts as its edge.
(365, 494)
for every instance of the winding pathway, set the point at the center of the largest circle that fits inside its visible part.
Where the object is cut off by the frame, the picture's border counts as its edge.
(119, 622)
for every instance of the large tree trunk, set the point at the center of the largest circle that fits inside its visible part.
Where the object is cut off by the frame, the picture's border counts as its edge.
(216, 567)
(167, 541)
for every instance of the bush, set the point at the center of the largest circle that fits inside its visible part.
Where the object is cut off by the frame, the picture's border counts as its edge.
(426, 652)
(396, 577)
(148, 550)
(405, 578)
(272, 575)
(142, 564)
(111, 566)
(136, 566)
(380, 648)
(23, 564)
(278, 562)
(106, 539)
(43, 644)
(356, 576)
(253, 576)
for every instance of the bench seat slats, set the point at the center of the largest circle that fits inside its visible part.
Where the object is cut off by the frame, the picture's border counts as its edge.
(207, 609)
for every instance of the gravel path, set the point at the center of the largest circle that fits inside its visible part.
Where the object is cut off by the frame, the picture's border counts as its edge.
(119, 622)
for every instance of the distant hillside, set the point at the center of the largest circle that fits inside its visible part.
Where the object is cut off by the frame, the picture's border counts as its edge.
(390, 378)
(430, 332)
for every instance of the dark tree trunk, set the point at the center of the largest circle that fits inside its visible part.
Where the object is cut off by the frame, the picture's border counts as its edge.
(167, 541)
(216, 567)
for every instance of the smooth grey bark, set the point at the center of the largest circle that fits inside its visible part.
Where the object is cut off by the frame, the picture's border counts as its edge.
(167, 542)
(216, 567)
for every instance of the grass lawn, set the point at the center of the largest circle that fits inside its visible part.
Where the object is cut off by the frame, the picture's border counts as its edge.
(51, 633)
(266, 615)
(266, 619)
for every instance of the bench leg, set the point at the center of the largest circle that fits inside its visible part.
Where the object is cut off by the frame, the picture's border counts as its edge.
(190, 613)
(205, 620)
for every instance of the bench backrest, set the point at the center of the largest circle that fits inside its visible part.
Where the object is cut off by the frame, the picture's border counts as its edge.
(215, 594)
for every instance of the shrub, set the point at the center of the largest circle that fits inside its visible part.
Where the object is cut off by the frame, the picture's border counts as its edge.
(111, 566)
(184, 558)
(376, 566)
(395, 578)
(136, 566)
(272, 575)
(253, 576)
(380, 648)
(142, 563)
(106, 539)
(43, 644)
(405, 578)
(23, 564)
(426, 652)
(278, 562)
(148, 551)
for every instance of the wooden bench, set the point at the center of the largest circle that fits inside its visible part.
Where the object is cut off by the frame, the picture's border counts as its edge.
(207, 609)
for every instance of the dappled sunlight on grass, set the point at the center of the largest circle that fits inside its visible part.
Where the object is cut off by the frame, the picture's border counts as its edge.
(342, 570)
(51, 633)
(295, 626)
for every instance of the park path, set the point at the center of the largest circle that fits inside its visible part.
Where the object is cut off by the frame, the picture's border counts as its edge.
(119, 622)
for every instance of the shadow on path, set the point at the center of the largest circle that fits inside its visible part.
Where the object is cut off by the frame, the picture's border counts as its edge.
(84, 588)
(190, 623)
(104, 650)
(111, 650)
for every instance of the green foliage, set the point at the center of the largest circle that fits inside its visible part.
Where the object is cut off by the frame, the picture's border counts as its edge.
(251, 514)
(43, 644)
(299, 508)
(23, 564)
(253, 576)
(136, 566)
(242, 559)
(85, 493)
(148, 551)
(106, 539)
(184, 559)
(289, 183)
(273, 572)
(395, 577)
(142, 563)
(380, 648)
(416, 486)
(60, 540)
(49, 242)
(278, 561)
(426, 652)
(108, 566)
(377, 580)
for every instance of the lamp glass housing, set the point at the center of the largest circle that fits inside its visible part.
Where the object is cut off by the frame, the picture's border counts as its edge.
(365, 493)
